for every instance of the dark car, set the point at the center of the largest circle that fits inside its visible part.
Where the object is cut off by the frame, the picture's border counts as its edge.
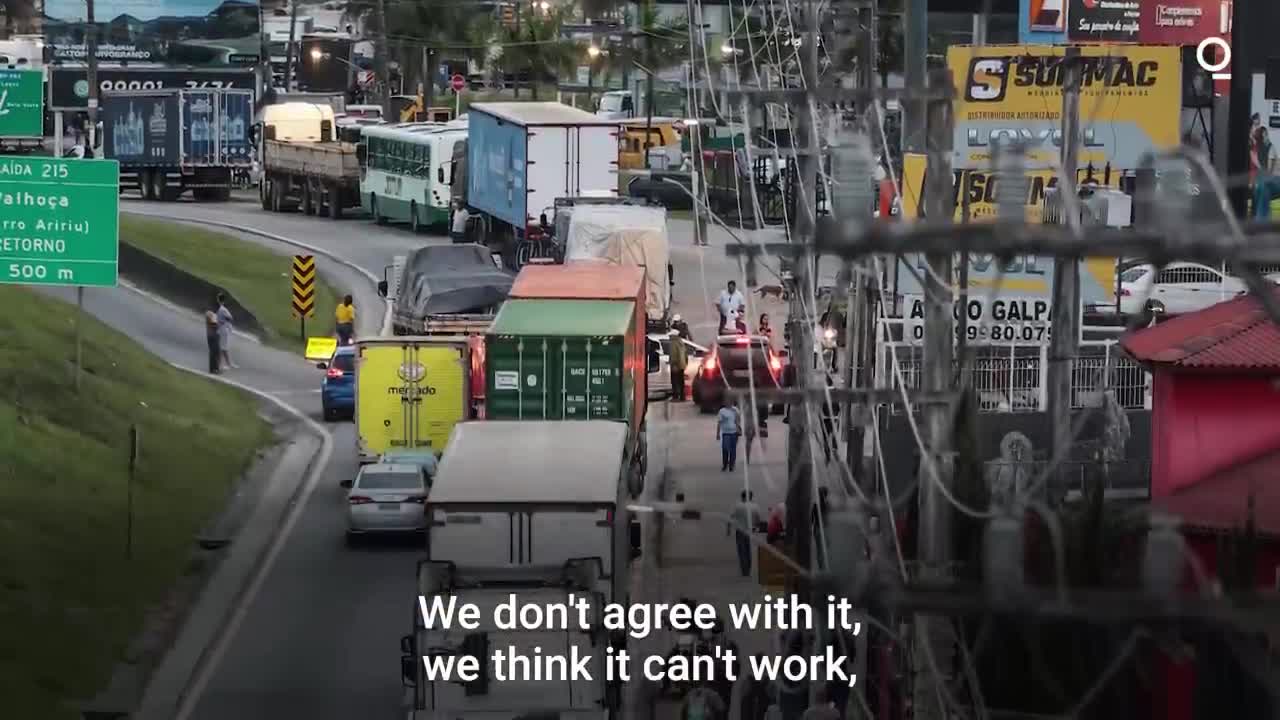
(735, 361)
(338, 389)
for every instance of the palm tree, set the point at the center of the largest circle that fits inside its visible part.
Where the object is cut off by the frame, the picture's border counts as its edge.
(658, 45)
(434, 26)
(536, 45)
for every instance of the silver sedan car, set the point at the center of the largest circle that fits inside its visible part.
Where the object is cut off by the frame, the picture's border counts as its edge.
(387, 498)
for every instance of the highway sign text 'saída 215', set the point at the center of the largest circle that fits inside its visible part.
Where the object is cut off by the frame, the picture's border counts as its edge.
(59, 221)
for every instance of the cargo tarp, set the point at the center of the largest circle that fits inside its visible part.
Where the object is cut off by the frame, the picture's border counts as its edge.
(627, 235)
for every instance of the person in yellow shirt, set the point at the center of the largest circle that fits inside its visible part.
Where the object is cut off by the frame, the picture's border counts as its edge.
(345, 320)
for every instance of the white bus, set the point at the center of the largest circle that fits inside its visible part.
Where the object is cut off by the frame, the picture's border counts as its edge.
(406, 172)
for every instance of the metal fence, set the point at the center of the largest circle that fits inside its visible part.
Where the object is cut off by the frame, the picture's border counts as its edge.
(1013, 378)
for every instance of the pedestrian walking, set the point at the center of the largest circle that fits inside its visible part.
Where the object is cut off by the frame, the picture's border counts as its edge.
(1266, 185)
(729, 304)
(728, 427)
(226, 323)
(744, 519)
(211, 337)
(344, 317)
(702, 703)
(679, 362)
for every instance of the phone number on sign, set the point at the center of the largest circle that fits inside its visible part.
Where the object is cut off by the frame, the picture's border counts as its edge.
(994, 333)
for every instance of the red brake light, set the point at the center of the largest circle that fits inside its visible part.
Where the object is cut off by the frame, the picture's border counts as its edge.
(359, 500)
(334, 373)
(709, 365)
(775, 363)
(742, 340)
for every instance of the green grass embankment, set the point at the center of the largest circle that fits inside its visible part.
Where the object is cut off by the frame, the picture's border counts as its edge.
(70, 601)
(257, 277)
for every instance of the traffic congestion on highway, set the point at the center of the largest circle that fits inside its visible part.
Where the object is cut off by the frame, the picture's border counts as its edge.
(977, 356)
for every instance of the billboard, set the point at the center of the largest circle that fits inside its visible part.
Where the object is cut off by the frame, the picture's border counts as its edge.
(196, 33)
(69, 86)
(1046, 16)
(1130, 102)
(1103, 21)
(1185, 22)
(1024, 276)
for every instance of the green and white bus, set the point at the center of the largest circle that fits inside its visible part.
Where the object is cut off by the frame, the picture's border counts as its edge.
(406, 172)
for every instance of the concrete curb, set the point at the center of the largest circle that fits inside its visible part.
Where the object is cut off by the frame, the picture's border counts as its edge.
(386, 317)
(180, 678)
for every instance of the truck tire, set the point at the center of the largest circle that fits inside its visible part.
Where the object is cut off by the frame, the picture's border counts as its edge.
(415, 225)
(308, 198)
(373, 210)
(145, 188)
(277, 197)
(158, 185)
(222, 194)
(264, 193)
(335, 202)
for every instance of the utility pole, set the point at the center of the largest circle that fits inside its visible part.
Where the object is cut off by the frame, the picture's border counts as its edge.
(91, 137)
(697, 176)
(291, 55)
(933, 638)
(380, 58)
(915, 35)
(807, 145)
(1243, 19)
(1065, 311)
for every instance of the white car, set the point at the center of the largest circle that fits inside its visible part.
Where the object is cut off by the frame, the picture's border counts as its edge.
(660, 379)
(388, 498)
(1180, 287)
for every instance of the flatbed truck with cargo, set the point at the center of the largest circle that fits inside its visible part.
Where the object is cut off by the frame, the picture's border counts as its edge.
(304, 165)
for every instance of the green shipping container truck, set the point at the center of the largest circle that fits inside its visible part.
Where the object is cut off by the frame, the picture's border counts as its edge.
(568, 360)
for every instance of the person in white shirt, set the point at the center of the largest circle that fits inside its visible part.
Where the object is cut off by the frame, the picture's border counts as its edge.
(729, 305)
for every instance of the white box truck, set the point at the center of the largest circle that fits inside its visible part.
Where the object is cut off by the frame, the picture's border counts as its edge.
(495, 529)
(521, 156)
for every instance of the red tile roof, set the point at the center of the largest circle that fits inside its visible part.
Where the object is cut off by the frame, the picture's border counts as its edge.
(1233, 336)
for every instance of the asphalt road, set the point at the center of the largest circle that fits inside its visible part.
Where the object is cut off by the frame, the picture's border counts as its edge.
(321, 639)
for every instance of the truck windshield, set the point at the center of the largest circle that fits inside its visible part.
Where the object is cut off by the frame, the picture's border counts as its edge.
(611, 103)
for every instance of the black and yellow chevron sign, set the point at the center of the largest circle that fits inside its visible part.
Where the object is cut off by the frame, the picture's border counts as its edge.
(304, 286)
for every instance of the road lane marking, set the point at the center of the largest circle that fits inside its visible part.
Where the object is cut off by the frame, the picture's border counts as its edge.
(207, 666)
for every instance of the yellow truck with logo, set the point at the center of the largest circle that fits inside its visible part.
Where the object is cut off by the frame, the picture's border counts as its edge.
(410, 392)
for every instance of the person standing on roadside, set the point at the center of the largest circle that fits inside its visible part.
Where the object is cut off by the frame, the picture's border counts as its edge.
(728, 427)
(764, 329)
(226, 323)
(344, 318)
(211, 337)
(729, 305)
(1266, 185)
(743, 521)
(679, 361)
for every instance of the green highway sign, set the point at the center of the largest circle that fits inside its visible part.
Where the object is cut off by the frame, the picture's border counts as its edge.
(21, 103)
(59, 221)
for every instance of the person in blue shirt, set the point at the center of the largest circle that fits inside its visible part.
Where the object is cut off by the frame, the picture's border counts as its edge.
(728, 428)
